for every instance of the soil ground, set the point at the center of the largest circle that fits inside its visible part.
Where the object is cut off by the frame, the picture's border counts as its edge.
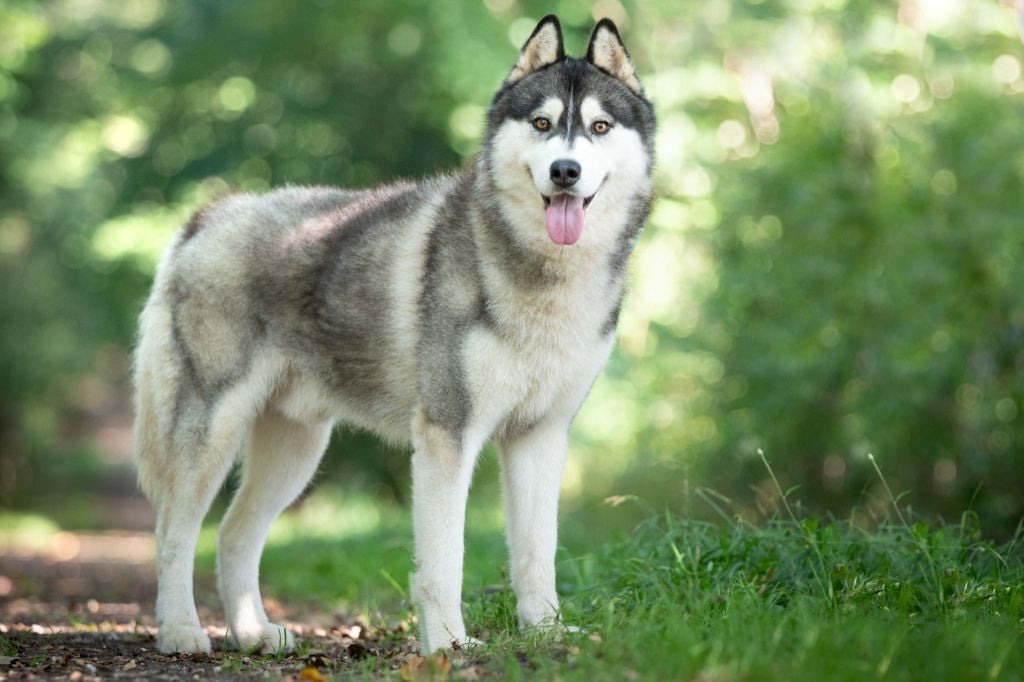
(101, 624)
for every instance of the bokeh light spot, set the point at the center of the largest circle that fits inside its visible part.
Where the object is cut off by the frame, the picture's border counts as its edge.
(905, 88)
(1006, 68)
(731, 134)
(126, 135)
(944, 182)
(404, 40)
(151, 57)
(236, 93)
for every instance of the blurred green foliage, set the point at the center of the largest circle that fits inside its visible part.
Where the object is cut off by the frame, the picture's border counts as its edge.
(831, 269)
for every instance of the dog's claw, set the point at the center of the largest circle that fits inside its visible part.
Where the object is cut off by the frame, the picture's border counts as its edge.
(182, 639)
(468, 643)
(273, 639)
(555, 628)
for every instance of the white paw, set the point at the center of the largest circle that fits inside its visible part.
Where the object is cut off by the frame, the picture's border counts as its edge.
(182, 639)
(452, 644)
(439, 632)
(572, 629)
(272, 639)
(553, 625)
(469, 643)
(539, 620)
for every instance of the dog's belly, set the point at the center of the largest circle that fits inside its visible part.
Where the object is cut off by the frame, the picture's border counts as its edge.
(309, 400)
(514, 385)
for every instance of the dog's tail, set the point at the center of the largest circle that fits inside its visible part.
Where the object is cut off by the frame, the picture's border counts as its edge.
(155, 379)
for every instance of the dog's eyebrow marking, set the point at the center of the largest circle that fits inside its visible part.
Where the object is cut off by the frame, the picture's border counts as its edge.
(551, 108)
(591, 109)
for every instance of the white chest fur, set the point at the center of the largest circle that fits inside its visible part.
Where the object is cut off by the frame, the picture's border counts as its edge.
(545, 354)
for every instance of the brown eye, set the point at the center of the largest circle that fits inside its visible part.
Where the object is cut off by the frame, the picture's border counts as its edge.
(541, 123)
(600, 127)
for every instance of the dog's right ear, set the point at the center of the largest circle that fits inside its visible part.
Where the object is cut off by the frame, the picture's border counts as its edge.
(543, 47)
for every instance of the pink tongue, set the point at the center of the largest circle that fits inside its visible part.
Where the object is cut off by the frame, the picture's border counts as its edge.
(565, 219)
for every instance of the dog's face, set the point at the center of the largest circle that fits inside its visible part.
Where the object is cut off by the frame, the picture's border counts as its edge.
(569, 140)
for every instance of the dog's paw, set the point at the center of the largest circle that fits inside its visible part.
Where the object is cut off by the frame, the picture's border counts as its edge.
(272, 639)
(554, 627)
(468, 643)
(462, 644)
(182, 639)
(573, 629)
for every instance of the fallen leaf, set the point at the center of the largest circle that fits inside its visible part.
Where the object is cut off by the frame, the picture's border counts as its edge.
(130, 665)
(435, 667)
(440, 664)
(312, 674)
(410, 669)
(473, 672)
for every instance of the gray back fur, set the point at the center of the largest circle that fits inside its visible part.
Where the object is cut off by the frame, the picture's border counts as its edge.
(309, 275)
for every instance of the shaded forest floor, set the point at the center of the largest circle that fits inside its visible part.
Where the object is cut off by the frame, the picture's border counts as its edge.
(79, 604)
(111, 634)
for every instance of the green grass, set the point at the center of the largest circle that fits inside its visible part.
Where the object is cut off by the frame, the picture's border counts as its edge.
(793, 598)
(790, 599)
(8, 647)
(684, 600)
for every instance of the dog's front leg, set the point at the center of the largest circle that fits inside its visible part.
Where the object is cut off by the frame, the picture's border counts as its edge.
(531, 476)
(442, 467)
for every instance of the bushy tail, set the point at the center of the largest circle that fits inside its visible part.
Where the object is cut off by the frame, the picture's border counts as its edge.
(155, 379)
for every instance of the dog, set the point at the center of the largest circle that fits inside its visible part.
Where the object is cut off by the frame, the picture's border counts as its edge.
(444, 313)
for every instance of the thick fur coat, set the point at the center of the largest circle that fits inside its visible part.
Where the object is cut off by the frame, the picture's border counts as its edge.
(442, 314)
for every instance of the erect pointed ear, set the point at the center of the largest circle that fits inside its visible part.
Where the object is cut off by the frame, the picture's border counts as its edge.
(607, 53)
(543, 47)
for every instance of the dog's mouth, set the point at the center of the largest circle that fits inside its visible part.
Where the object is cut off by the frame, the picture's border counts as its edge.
(564, 216)
(586, 200)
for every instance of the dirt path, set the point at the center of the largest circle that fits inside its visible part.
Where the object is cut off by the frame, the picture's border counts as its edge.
(80, 607)
(110, 640)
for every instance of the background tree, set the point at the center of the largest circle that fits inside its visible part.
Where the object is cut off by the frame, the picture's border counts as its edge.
(832, 267)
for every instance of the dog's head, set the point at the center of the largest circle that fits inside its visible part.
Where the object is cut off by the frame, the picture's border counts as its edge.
(569, 141)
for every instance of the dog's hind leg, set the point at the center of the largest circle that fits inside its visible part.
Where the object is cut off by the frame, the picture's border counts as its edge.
(193, 472)
(185, 445)
(178, 474)
(180, 510)
(282, 457)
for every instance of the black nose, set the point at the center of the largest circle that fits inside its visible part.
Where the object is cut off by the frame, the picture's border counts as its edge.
(565, 172)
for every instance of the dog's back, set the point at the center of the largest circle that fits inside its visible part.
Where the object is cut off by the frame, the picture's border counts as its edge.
(298, 283)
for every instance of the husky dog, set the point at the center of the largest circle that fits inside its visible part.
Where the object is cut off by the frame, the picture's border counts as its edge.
(442, 313)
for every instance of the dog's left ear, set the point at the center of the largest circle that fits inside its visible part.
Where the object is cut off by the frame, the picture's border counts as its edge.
(607, 53)
(543, 47)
